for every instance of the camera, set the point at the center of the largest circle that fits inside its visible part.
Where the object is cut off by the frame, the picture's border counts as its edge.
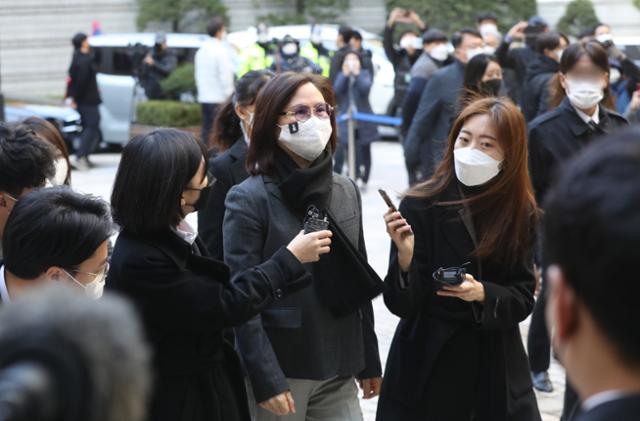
(315, 220)
(450, 276)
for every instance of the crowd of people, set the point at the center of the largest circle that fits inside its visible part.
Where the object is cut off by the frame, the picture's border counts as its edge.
(522, 172)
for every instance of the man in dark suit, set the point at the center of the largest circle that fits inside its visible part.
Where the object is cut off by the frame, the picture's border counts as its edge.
(26, 163)
(592, 238)
(436, 110)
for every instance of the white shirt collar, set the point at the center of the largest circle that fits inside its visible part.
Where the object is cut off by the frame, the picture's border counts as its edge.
(4, 292)
(186, 232)
(602, 398)
(587, 118)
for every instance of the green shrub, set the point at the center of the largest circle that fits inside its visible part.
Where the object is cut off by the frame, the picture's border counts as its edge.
(168, 113)
(579, 15)
(181, 80)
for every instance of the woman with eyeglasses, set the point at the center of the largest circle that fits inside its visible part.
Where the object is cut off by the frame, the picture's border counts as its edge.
(186, 300)
(302, 357)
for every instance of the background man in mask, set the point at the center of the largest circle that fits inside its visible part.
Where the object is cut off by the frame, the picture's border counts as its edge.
(288, 58)
(427, 134)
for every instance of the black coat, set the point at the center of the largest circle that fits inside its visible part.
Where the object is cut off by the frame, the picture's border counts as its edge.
(445, 349)
(357, 87)
(436, 111)
(187, 302)
(517, 59)
(229, 170)
(624, 409)
(535, 91)
(83, 85)
(402, 63)
(557, 136)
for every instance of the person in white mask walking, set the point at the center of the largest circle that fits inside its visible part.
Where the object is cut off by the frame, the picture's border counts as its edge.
(457, 353)
(303, 357)
(583, 111)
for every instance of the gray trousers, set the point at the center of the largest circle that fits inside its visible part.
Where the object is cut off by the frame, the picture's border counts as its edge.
(330, 400)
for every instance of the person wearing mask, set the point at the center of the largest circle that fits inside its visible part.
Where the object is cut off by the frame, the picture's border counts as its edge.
(488, 28)
(157, 66)
(83, 95)
(425, 141)
(259, 55)
(56, 235)
(457, 353)
(482, 78)
(352, 88)
(518, 58)
(315, 51)
(26, 163)
(592, 239)
(304, 353)
(343, 44)
(49, 133)
(231, 135)
(540, 71)
(582, 111)
(214, 74)
(186, 299)
(405, 55)
(288, 58)
(366, 55)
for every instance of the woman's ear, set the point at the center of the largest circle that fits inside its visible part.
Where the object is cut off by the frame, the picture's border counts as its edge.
(240, 112)
(563, 80)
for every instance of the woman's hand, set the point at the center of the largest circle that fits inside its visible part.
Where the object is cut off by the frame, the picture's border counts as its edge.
(402, 235)
(308, 248)
(469, 290)
(280, 405)
(370, 387)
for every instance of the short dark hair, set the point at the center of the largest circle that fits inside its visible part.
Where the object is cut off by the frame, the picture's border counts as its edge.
(356, 35)
(54, 227)
(434, 35)
(482, 16)
(458, 36)
(346, 32)
(214, 25)
(78, 39)
(154, 170)
(50, 133)
(26, 161)
(226, 128)
(474, 71)
(592, 232)
(271, 101)
(549, 41)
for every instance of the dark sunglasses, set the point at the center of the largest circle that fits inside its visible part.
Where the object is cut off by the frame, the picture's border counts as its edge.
(303, 113)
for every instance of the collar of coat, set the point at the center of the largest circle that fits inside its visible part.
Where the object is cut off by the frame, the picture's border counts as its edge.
(577, 125)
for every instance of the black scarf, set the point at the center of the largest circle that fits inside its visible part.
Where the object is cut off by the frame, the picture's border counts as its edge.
(302, 187)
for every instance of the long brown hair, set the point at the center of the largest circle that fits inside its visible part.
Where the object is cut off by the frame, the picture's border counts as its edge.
(50, 134)
(570, 57)
(271, 101)
(505, 210)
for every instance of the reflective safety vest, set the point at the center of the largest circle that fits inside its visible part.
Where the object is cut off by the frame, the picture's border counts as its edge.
(310, 52)
(253, 57)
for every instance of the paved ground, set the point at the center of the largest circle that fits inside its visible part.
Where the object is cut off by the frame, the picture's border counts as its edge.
(388, 173)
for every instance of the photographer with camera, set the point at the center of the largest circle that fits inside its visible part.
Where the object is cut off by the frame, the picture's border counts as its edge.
(457, 353)
(157, 65)
(288, 58)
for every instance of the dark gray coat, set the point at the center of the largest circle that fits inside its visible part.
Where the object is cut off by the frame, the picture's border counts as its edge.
(298, 337)
(360, 88)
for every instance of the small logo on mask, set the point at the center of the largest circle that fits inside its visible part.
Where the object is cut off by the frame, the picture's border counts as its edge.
(293, 128)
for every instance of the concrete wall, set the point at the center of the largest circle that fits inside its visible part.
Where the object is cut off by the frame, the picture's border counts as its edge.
(35, 46)
(622, 15)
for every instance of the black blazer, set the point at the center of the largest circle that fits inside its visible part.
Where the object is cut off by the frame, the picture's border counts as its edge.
(625, 409)
(436, 111)
(187, 302)
(557, 136)
(429, 323)
(229, 170)
(535, 90)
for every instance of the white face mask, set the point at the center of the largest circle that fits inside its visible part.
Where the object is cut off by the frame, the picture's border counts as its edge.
(95, 288)
(559, 54)
(475, 168)
(488, 28)
(584, 94)
(472, 52)
(290, 49)
(614, 75)
(61, 172)
(306, 139)
(408, 42)
(440, 52)
(489, 50)
(604, 38)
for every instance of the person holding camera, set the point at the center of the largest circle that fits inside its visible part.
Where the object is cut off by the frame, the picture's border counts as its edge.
(157, 65)
(457, 353)
(352, 88)
(303, 354)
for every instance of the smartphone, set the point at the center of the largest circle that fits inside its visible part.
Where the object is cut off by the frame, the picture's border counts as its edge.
(387, 200)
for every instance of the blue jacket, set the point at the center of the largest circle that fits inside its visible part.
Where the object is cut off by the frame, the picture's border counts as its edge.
(361, 86)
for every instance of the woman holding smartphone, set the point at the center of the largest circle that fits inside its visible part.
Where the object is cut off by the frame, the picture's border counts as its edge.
(457, 353)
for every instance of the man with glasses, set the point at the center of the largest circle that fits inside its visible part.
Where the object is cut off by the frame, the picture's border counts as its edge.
(56, 235)
(26, 162)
